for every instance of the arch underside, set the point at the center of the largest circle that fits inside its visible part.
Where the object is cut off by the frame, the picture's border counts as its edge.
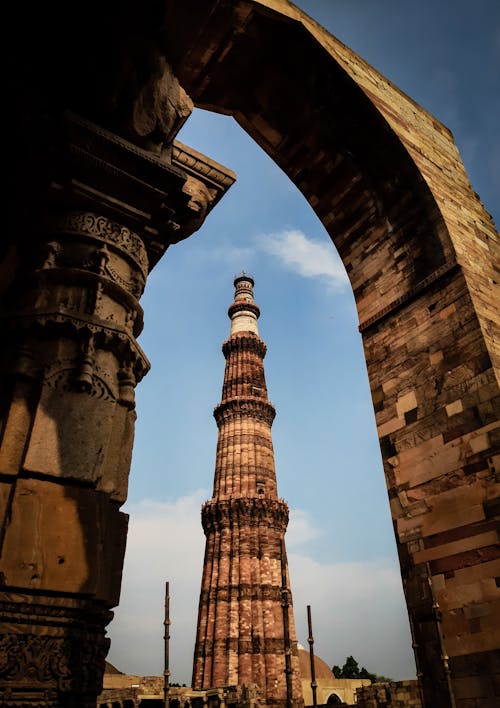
(386, 180)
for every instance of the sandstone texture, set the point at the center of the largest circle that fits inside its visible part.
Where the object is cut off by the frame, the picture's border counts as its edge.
(387, 182)
(95, 196)
(246, 632)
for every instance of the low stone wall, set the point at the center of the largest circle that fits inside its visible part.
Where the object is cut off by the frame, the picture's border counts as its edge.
(118, 697)
(396, 694)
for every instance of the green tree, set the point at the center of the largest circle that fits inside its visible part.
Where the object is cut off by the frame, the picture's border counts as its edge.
(351, 670)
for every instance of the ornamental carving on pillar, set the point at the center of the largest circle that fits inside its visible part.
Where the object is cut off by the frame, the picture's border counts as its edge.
(95, 226)
(52, 646)
(53, 662)
(95, 200)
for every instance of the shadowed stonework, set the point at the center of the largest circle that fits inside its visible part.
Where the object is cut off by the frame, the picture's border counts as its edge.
(96, 198)
(96, 194)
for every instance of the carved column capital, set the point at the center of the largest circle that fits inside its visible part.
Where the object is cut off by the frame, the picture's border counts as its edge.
(95, 198)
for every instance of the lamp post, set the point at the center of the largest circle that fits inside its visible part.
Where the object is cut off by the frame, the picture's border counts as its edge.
(166, 638)
(310, 639)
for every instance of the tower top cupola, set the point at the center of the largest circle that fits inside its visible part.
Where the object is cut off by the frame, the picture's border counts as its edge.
(243, 311)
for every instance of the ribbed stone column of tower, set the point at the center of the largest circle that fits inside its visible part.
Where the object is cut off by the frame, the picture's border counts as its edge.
(246, 631)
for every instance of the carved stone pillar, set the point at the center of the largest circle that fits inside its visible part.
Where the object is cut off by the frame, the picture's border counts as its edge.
(69, 372)
(98, 214)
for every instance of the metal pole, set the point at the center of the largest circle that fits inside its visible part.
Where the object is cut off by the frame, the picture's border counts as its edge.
(166, 638)
(286, 627)
(310, 639)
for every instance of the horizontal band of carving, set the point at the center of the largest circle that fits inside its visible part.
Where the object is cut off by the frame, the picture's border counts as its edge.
(408, 296)
(256, 645)
(191, 161)
(53, 644)
(96, 284)
(105, 333)
(250, 406)
(243, 306)
(72, 663)
(244, 342)
(48, 611)
(253, 511)
(95, 226)
(243, 591)
(228, 439)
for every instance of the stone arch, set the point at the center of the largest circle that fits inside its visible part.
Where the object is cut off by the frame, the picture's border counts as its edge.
(333, 699)
(386, 180)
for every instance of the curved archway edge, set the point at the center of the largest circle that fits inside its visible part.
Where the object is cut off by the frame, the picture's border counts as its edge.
(387, 182)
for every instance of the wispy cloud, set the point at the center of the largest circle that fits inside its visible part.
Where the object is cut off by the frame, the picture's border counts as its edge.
(292, 249)
(301, 529)
(305, 256)
(234, 255)
(165, 542)
(353, 604)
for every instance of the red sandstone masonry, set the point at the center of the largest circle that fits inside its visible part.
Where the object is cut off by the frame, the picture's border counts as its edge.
(240, 636)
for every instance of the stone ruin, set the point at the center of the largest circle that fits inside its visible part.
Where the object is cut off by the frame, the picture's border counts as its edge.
(96, 193)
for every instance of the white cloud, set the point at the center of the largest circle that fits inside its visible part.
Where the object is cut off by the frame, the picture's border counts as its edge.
(300, 529)
(165, 542)
(357, 608)
(293, 250)
(305, 256)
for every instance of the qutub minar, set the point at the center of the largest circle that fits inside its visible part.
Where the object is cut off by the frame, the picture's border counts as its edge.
(246, 630)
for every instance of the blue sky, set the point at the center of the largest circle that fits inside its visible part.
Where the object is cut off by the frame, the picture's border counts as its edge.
(446, 56)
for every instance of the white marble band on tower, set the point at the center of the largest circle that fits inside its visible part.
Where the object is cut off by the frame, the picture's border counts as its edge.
(244, 312)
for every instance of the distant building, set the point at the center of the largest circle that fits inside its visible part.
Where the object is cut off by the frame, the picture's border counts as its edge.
(330, 690)
(130, 691)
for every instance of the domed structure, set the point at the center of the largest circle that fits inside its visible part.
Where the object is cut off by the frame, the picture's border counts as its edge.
(321, 668)
(329, 690)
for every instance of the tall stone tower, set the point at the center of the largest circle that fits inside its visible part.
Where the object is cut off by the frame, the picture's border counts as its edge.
(246, 631)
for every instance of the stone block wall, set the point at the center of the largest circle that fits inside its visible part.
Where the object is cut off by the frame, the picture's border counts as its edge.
(396, 694)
